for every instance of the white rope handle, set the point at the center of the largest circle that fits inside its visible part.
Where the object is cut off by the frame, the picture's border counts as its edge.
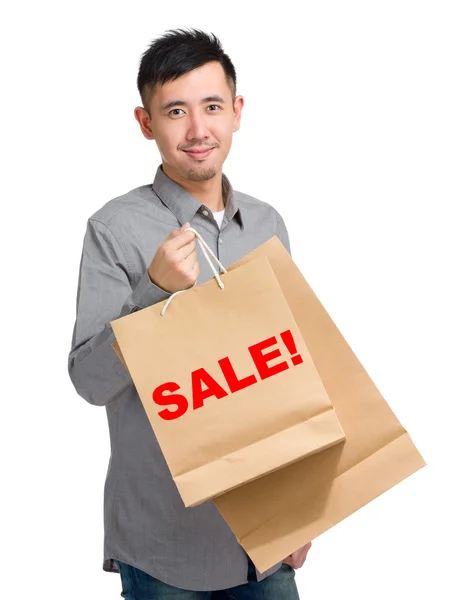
(205, 248)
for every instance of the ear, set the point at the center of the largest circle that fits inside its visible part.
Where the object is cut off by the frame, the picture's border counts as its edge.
(238, 104)
(145, 123)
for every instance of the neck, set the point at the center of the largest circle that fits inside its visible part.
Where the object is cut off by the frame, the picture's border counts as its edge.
(208, 192)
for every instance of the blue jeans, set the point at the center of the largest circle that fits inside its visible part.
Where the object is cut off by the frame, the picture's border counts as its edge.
(138, 585)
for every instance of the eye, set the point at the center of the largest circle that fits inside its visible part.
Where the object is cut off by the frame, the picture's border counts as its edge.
(172, 111)
(215, 105)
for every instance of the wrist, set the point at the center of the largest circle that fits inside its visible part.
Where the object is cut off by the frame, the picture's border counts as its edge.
(156, 283)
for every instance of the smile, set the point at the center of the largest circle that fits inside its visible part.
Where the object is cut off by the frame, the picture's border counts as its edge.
(199, 155)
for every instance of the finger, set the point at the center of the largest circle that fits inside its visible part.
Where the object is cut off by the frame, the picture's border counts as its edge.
(184, 252)
(177, 232)
(183, 227)
(300, 560)
(190, 262)
(180, 240)
(306, 548)
(196, 270)
(190, 271)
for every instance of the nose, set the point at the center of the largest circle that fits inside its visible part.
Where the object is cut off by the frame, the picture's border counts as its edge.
(198, 129)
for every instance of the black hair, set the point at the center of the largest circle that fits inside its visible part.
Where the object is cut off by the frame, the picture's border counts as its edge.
(177, 52)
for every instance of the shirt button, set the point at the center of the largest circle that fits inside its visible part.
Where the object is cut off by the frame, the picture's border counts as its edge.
(220, 241)
(205, 212)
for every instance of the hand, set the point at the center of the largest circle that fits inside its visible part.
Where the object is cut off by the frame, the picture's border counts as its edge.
(175, 266)
(297, 558)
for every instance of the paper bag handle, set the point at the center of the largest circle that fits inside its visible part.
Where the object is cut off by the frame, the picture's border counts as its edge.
(205, 248)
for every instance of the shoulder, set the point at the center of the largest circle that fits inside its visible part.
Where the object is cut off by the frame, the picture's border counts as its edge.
(252, 205)
(117, 209)
(259, 213)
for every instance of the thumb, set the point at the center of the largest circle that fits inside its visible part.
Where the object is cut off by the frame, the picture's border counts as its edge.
(181, 229)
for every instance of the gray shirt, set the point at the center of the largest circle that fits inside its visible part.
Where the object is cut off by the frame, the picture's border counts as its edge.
(146, 523)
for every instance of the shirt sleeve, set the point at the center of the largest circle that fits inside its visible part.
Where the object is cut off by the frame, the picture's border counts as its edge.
(281, 232)
(104, 294)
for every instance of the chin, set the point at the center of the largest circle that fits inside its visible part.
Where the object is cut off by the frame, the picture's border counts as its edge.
(202, 173)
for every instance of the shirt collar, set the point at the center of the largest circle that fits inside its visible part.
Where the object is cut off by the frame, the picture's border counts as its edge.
(184, 206)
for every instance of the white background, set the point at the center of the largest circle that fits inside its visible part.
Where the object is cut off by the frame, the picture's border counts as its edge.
(353, 128)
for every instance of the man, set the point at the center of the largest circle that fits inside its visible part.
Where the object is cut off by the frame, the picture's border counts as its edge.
(136, 253)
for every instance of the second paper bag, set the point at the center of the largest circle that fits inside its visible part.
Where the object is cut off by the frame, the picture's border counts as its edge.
(279, 513)
(227, 382)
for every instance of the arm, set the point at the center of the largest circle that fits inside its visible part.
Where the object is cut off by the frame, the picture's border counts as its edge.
(104, 294)
(281, 231)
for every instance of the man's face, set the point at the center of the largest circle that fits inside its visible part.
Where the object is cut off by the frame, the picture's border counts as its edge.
(192, 121)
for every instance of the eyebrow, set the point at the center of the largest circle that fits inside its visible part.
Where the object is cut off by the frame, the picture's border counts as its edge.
(173, 103)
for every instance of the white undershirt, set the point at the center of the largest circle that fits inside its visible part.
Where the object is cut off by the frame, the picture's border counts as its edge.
(219, 217)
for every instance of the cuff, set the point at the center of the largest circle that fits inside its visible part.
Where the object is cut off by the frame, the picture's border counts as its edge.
(145, 294)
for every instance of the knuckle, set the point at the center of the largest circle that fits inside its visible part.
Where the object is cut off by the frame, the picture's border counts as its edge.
(184, 268)
(170, 257)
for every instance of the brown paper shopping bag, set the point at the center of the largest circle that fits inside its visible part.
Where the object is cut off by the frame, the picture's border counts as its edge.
(279, 513)
(227, 381)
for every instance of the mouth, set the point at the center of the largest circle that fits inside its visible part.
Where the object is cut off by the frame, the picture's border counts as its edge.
(199, 154)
